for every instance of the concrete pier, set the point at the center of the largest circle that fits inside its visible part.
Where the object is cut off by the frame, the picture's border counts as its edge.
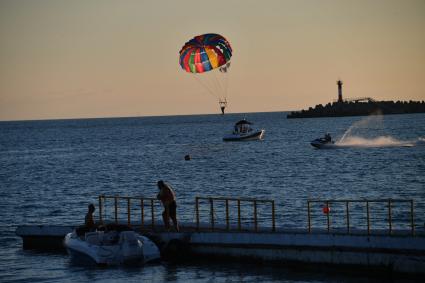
(401, 253)
(383, 245)
(43, 237)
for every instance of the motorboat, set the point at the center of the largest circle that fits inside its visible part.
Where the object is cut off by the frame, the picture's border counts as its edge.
(324, 142)
(244, 132)
(111, 247)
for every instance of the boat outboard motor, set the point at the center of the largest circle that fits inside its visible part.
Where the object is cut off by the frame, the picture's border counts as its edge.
(131, 247)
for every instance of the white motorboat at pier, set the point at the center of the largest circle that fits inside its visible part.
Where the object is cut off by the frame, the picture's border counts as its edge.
(243, 132)
(111, 247)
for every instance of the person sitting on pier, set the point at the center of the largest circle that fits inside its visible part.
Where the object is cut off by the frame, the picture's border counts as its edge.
(168, 198)
(89, 221)
(89, 224)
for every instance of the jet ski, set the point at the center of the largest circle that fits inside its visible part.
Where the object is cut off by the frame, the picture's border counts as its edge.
(243, 132)
(111, 247)
(324, 142)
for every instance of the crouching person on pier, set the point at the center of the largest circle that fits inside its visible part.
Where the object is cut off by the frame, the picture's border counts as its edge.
(168, 198)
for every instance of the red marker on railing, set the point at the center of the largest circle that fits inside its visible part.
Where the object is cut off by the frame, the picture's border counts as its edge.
(326, 209)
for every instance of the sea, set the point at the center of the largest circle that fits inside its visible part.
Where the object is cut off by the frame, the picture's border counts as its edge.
(50, 170)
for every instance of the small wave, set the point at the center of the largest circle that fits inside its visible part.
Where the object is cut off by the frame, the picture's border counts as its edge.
(382, 141)
(56, 212)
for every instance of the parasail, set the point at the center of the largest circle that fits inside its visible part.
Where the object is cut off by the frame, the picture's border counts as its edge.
(207, 58)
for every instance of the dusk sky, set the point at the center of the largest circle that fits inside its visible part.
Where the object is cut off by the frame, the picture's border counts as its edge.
(93, 58)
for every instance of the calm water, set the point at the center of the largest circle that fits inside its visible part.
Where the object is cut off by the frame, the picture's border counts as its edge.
(51, 170)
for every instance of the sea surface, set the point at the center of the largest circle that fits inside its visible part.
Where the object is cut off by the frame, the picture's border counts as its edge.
(51, 170)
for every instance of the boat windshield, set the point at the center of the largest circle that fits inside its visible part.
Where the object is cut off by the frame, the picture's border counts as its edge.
(242, 128)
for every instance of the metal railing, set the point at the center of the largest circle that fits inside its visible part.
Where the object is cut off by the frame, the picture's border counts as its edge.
(142, 210)
(238, 202)
(389, 203)
(141, 203)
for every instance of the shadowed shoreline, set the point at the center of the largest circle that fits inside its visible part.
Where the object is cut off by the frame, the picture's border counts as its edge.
(357, 108)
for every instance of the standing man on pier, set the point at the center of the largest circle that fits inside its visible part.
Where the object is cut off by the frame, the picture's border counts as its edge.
(168, 198)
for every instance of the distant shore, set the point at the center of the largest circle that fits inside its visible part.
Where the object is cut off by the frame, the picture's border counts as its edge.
(342, 109)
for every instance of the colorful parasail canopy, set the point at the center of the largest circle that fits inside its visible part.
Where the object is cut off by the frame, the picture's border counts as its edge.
(204, 53)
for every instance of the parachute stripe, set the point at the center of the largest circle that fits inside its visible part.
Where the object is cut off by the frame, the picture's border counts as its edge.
(198, 61)
(186, 61)
(184, 58)
(220, 57)
(191, 62)
(212, 57)
(205, 60)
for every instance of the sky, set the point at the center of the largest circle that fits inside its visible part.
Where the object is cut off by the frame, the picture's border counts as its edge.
(99, 58)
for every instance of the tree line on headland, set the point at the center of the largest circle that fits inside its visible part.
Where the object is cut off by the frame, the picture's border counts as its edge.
(341, 109)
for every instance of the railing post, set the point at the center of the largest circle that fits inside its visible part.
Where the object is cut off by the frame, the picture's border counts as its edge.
(128, 212)
(389, 217)
(197, 212)
(116, 209)
(347, 208)
(142, 211)
(239, 214)
(255, 216)
(273, 218)
(212, 213)
(100, 210)
(153, 214)
(227, 215)
(308, 216)
(368, 217)
(412, 219)
(328, 216)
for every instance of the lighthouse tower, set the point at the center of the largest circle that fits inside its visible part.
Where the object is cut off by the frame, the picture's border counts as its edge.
(339, 83)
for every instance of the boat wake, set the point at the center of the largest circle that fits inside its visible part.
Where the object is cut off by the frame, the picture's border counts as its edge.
(382, 141)
(349, 139)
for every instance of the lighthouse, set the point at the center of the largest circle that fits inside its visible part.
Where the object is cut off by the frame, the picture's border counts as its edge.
(339, 83)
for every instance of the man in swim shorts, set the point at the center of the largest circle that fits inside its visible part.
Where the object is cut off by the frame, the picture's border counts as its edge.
(168, 198)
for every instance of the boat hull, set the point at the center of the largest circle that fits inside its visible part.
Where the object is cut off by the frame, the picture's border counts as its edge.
(255, 135)
(321, 144)
(140, 251)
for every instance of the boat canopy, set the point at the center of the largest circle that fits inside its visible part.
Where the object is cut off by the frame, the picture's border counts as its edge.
(243, 122)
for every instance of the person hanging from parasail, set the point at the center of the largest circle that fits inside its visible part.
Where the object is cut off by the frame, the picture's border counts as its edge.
(223, 104)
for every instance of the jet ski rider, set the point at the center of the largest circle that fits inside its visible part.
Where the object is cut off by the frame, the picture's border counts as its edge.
(328, 137)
